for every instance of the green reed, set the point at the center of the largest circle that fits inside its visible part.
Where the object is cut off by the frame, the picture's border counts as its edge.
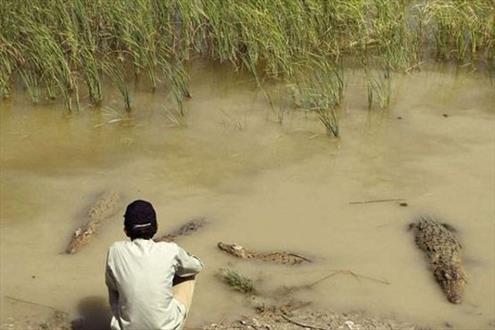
(320, 89)
(67, 48)
(461, 29)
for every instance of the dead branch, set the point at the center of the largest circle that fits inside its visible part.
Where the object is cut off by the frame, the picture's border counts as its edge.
(30, 302)
(303, 325)
(378, 201)
(348, 272)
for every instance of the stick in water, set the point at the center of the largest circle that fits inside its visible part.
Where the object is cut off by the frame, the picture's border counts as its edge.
(379, 201)
(30, 302)
(349, 272)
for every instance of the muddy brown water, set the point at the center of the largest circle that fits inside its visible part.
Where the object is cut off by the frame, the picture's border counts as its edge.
(263, 185)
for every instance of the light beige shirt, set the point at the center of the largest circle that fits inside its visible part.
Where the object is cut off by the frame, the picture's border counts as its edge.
(139, 277)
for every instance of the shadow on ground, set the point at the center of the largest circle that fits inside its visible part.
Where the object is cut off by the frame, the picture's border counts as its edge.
(94, 314)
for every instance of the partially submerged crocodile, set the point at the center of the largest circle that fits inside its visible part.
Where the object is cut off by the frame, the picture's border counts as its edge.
(286, 258)
(102, 209)
(443, 250)
(186, 229)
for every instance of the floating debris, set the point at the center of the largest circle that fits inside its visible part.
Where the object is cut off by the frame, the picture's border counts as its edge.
(444, 253)
(104, 207)
(184, 230)
(286, 258)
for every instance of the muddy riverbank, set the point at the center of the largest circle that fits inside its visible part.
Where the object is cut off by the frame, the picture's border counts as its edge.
(302, 318)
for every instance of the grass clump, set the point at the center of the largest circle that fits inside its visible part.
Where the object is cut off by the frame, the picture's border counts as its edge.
(321, 91)
(461, 29)
(236, 281)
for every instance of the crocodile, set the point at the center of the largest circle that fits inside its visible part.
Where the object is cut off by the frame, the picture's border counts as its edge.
(439, 242)
(186, 229)
(279, 257)
(104, 207)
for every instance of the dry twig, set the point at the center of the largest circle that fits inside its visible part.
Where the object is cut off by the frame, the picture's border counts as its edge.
(30, 302)
(378, 201)
(303, 325)
(349, 272)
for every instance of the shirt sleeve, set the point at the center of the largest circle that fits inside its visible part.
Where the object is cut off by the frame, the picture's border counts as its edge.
(113, 293)
(187, 264)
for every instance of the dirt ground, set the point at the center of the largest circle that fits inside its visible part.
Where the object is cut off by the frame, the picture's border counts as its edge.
(308, 318)
(269, 318)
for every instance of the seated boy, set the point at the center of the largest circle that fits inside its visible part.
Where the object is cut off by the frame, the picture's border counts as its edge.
(150, 284)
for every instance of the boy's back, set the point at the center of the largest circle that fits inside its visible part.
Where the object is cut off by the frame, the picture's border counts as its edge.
(139, 277)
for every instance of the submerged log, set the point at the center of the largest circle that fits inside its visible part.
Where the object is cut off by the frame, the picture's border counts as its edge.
(279, 257)
(443, 251)
(186, 229)
(102, 209)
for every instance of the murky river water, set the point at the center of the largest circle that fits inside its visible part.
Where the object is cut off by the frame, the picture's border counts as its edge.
(263, 185)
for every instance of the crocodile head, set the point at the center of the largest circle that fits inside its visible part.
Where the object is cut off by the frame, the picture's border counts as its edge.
(452, 280)
(233, 249)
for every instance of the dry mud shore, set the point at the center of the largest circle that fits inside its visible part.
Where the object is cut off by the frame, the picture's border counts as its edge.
(269, 319)
(308, 318)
